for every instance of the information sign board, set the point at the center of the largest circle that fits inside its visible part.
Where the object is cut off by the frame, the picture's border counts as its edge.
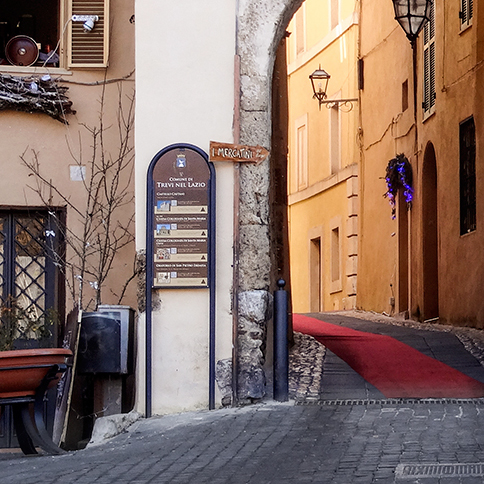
(180, 228)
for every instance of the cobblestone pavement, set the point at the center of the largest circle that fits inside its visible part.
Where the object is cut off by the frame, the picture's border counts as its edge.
(306, 357)
(281, 443)
(345, 442)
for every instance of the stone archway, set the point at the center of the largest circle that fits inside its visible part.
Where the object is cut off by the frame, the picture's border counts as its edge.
(261, 25)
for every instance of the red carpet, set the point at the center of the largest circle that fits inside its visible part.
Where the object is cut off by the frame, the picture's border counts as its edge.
(394, 368)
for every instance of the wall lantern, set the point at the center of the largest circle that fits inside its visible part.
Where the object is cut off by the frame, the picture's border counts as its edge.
(412, 16)
(321, 78)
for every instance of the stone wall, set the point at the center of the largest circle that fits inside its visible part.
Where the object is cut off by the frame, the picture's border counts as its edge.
(261, 26)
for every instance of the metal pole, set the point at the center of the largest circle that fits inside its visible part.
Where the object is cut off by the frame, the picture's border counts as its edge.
(281, 351)
(212, 289)
(148, 294)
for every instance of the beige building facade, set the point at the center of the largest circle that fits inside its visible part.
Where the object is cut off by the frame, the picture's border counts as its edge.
(91, 75)
(67, 104)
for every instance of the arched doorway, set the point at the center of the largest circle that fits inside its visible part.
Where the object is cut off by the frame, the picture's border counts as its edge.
(430, 235)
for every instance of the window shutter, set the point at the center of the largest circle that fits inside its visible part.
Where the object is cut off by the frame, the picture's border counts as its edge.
(89, 49)
(429, 64)
(466, 13)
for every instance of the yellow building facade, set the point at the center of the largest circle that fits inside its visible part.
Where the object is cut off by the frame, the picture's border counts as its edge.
(424, 102)
(323, 157)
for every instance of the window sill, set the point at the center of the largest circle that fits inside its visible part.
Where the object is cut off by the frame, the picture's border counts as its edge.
(34, 70)
(335, 287)
(465, 27)
(427, 115)
(468, 234)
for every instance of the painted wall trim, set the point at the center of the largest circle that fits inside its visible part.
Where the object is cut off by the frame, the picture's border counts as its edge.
(323, 185)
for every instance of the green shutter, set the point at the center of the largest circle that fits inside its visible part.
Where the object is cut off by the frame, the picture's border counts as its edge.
(89, 49)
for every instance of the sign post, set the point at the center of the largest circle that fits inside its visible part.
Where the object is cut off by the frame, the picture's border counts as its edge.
(180, 238)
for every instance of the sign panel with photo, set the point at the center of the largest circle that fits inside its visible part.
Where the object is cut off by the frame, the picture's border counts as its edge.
(180, 219)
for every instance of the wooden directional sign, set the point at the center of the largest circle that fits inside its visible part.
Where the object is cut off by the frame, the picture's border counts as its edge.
(237, 153)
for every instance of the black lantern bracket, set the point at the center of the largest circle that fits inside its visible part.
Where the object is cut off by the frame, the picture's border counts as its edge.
(319, 78)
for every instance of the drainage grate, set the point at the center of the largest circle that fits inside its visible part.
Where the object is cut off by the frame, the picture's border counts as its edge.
(411, 471)
(398, 401)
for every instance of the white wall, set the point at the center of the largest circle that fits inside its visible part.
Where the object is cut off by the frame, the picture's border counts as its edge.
(185, 94)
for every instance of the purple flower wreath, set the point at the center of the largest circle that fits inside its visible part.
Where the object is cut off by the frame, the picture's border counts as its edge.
(398, 175)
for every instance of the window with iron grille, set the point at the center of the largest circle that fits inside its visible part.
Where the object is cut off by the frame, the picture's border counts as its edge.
(466, 13)
(467, 149)
(54, 36)
(31, 287)
(429, 65)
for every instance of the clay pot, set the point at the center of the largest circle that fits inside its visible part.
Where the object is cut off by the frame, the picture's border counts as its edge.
(21, 371)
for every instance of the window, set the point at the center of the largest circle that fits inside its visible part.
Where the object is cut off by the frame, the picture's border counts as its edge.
(315, 273)
(301, 30)
(467, 171)
(335, 139)
(405, 95)
(429, 64)
(335, 257)
(301, 153)
(54, 38)
(334, 14)
(466, 13)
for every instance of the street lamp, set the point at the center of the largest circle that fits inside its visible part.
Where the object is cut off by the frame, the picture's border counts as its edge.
(412, 16)
(320, 76)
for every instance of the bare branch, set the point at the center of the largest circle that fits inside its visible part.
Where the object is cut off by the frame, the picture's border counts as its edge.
(107, 186)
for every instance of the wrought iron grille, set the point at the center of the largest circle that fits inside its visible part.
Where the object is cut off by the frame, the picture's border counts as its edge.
(28, 276)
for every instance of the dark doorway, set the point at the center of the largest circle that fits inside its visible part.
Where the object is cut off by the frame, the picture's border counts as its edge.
(402, 287)
(430, 236)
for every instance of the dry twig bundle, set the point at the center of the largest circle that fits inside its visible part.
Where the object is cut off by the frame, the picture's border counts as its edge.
(35, 95)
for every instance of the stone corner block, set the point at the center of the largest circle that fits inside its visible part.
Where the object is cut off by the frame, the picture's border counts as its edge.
(112, 425)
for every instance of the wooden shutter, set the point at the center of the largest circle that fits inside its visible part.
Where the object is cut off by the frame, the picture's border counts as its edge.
(466, 13)
(89, 49)
(429, 64)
